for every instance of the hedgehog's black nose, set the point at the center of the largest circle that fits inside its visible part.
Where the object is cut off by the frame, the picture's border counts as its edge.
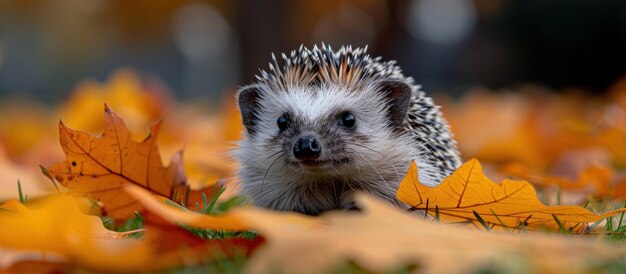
(307, 148)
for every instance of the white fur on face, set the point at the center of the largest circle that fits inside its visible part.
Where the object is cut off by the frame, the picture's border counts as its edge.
(377, 164)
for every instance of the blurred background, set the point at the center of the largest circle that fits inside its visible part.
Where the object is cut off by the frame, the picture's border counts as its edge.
(537, 84)
(202, 49)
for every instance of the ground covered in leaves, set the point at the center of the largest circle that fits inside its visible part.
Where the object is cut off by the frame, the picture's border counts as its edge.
(543, 190)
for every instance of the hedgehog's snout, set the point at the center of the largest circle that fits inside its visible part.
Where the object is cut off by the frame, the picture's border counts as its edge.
(307, 148)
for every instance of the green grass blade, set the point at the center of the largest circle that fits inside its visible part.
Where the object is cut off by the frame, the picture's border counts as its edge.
(174, 204)
(19, 191)
(139, 217)
(205, 203)
(499, 220)
(481, 220)
(561, 227)
(187, 196)
(214, 197)
(586, 204)
(621, 218)
(47, 174)
(175, 195)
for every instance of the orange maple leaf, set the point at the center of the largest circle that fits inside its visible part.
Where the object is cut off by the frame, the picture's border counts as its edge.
(98, 167)
(468, 196)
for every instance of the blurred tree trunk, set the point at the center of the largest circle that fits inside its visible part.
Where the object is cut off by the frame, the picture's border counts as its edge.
(261, 29)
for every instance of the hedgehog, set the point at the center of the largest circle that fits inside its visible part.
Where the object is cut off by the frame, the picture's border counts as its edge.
(323, 124)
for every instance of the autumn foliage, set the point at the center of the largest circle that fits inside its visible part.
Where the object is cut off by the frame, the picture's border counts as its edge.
(469, 197)
(98, 168)
(107, 201)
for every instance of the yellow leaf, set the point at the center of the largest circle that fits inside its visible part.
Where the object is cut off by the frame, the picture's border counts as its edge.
(60, 229)
(381, 238)
(60, 233)
(510, 204)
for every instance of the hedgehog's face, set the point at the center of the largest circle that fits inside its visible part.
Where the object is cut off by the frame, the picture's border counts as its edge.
(322, 132)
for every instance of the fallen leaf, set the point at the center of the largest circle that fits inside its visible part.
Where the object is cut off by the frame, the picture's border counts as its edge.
(507, 135)
(60, 229)
(59, 233)
(125, 92)
(159, 206)
(98, 167)
(174, 246)
(536, 126)
(380, 238)
(619, 191)
(510, 204)
(24, 127)
(597, 177)
(36, 267)
(231, 220)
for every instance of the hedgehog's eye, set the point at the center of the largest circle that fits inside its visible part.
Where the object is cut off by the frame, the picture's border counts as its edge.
(347, 120)
(282, 123)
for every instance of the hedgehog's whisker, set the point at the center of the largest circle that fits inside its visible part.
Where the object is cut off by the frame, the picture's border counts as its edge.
(335, 192)
(383, 155)
(375, 169)
(269, 168)
(257, 155)
(220, 153)
(348, 183)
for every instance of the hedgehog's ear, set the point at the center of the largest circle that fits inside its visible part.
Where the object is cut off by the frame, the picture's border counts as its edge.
(248, 99)
(398, 96)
